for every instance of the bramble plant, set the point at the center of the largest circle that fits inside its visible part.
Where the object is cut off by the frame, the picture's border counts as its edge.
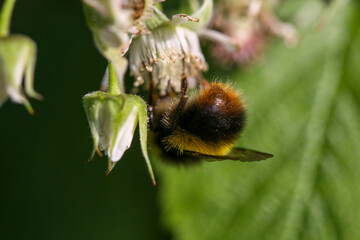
(160, 52)
(300, 83)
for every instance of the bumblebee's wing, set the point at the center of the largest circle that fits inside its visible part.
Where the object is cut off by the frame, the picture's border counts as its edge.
(240, 154)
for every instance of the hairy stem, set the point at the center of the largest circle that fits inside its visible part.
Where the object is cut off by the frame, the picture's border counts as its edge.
(114, 88)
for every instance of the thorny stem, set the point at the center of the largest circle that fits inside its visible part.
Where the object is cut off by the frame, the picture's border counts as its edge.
(114, 87)
(5, 17)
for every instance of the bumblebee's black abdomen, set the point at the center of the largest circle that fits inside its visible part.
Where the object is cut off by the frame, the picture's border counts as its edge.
(214, 125)
(217, 114)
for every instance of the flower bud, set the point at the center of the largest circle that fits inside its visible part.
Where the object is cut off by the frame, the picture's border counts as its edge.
(113, 120)
(17, 58)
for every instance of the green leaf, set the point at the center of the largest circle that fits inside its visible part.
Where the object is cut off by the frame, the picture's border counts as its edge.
(303, 106)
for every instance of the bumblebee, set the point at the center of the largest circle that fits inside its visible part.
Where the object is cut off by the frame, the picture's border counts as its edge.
(205, 126)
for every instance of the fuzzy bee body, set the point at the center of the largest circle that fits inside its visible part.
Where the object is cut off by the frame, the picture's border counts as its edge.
(210, 123)
(203, 127)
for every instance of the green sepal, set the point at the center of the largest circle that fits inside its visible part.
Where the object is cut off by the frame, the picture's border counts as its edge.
(143, 125)
(157, 19)
(204, 14)
(114, 110)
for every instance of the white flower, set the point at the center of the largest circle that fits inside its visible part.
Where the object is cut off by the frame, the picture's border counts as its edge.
(113, 120)
(171, 49)
(114, 23)
(161, 55)
(17, 58)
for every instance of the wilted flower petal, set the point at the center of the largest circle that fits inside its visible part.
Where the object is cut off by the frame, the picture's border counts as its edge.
(115, 22)
(17, 58)
(141, 11)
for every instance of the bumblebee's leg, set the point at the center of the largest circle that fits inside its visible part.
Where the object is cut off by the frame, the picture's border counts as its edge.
(183, 99)
(151, 91)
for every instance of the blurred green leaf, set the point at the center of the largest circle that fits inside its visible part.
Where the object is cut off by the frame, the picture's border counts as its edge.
(304, 108)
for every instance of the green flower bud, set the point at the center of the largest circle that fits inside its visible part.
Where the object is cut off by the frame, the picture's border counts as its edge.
(17, 58)
(113, 120)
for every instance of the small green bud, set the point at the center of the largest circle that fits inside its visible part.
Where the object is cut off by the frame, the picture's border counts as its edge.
(17, 58)
(113, 120)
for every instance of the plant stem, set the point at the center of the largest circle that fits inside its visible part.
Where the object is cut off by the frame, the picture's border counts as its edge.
(114, 87)
(5, 17)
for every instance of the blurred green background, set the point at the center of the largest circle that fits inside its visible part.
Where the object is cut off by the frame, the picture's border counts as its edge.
(304, 108)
